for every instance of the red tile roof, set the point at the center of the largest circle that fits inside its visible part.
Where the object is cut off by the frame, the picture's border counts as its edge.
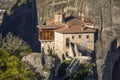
(75, 22)
(75, 25)
(75, 29)
(50, 26)
(72, 25)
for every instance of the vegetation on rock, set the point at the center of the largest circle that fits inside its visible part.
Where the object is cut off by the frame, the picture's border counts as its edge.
(63, 66)
(11, 68)
(11, 52)
(21, 2)
(81, 73)
(15, 46)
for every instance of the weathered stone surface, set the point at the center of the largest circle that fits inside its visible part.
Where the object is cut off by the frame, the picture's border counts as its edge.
(22, 21)
(47, 47)
(34, 59)
(40, 63)
(49, 62)
(105, 14)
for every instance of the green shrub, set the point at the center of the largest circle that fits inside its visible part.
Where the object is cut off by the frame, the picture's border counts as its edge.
(46, 69)
(63, 66)
(81, 73)
(22, 2)
(43, 50)
(15, 46)
(11, 68)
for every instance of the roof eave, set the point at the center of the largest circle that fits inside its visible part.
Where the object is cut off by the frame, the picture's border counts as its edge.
(74, 32)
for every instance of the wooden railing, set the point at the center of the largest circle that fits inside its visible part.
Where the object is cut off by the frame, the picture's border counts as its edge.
(46, 35)
(46, 38)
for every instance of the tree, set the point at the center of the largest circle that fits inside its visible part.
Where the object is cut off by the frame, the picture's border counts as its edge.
(15, 46)
(63, 67)
(11, 68)
(49, 51)
(21, 2)
(81, 73)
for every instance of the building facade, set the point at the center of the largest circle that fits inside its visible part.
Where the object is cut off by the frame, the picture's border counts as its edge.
(56, 35)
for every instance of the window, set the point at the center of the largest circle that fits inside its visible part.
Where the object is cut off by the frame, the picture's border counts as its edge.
(79, 36)
(63, 57)
(69, 26)
(67, 42)
(72, 37)
(87, 36)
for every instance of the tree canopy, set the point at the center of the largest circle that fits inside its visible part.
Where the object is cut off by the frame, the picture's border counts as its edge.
(12, 50)
(15, 46)
(81, 73)
(11, 68)
(21, 2)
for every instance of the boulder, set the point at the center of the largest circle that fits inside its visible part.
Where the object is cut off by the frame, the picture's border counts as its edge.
(41, 64)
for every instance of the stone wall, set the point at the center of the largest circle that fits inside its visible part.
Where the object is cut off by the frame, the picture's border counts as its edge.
(59, 50)
(47, 47)
(106, 16)
(104, 13)
(81, 38)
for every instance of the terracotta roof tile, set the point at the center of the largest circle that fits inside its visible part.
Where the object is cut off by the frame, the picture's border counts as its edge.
(75, 29)
(50, 26)
(75, 25)
(71, 25)
(75, 22)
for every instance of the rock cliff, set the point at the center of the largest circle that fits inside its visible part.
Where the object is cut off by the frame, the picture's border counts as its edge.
(41, 64)
(106, 15)
(21, 20)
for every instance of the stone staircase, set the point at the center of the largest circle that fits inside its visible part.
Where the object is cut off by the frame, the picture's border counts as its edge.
(73, 66)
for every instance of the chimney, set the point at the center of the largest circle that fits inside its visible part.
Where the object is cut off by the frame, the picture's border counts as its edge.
(82, 27)
(59, 17)
(82, 17)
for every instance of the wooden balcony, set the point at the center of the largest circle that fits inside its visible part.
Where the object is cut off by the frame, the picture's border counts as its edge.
(46, 36)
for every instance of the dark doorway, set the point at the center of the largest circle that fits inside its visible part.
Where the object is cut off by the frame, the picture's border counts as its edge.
(67, 42)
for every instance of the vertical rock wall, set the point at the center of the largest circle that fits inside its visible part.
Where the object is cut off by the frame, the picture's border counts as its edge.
(22, 22)
(106, 16)
(104, 13)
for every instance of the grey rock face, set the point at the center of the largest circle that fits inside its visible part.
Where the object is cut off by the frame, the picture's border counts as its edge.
(40, 63)
(49, 62)
(22, 21)
(34, 59)
(106, 16)
(104, 13)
